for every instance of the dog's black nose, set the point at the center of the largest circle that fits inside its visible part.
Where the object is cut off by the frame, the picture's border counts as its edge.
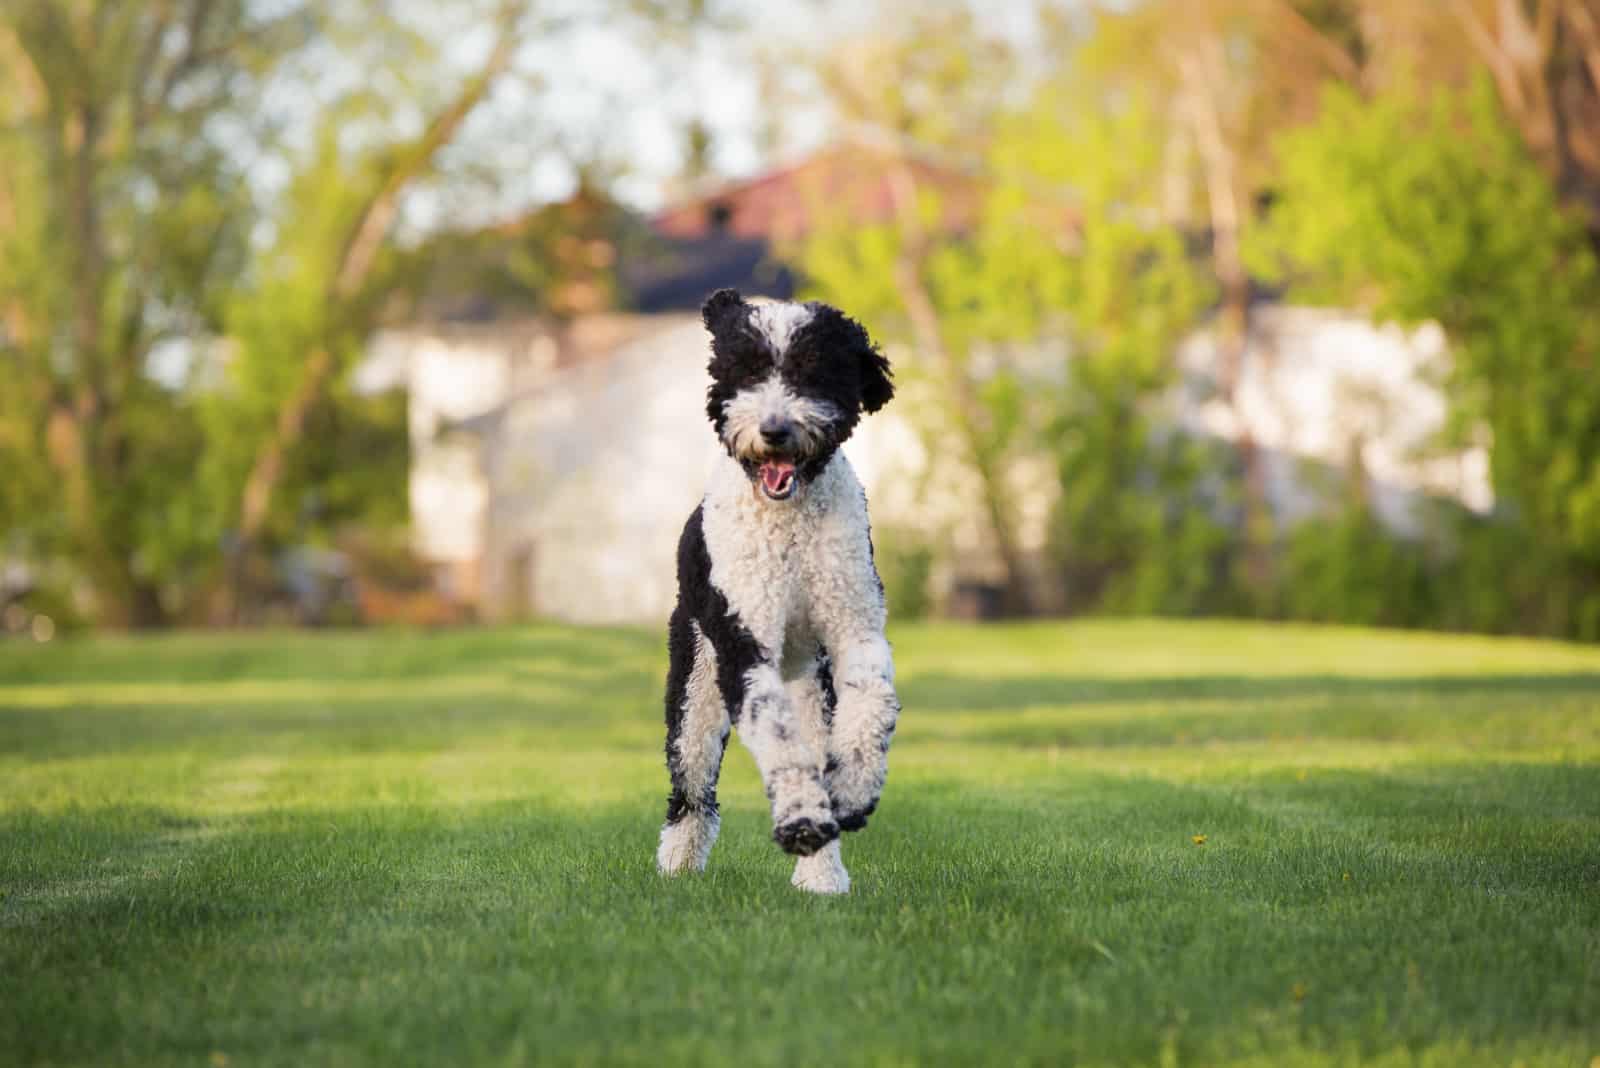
(776, 432)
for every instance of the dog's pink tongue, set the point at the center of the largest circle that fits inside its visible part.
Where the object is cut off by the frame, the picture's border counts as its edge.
(776, 474)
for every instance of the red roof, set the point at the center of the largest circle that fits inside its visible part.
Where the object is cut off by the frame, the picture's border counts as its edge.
(792, 201)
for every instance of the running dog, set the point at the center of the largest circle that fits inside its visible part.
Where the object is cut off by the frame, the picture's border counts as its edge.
(779, 625)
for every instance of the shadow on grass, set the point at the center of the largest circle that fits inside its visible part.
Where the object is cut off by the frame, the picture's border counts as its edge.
(277, 714)
(935, 692)
(374, 715)
(1077, 920)
(327, 655)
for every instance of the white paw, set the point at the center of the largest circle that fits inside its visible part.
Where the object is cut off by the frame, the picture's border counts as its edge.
(822, 872)
(686, 845)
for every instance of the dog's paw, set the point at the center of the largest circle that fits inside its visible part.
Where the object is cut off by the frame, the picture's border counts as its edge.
(822, 872)
(853, 819)
(853, 790)
(804, 836)
(686, 845)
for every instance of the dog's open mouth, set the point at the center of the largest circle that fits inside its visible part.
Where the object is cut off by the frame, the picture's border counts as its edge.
(777, 479)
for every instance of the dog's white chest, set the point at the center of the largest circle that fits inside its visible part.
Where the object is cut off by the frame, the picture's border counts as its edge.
(779, 565)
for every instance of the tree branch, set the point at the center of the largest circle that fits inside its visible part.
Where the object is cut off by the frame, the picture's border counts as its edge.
(186, 62)
(1337, 59)
(929, 339)
(1585, 25)
(1501, 66)
(375, 219)
(354, 268)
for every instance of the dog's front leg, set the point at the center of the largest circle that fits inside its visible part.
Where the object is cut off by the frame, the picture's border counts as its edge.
(863, 725)
(789, 754)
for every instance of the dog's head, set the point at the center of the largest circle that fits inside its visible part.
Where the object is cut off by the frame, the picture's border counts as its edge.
(788, 385)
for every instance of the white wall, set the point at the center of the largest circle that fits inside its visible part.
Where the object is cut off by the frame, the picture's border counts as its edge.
(593, 475)
(453, 374)
(573, 493)
(1313, 381)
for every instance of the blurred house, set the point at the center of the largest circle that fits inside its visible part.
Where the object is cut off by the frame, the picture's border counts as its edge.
(1322, 390)
(557, 449)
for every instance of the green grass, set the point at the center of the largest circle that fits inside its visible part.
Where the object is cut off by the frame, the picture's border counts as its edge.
(400, 848)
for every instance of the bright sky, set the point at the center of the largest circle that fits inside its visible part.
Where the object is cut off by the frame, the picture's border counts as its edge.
(616, 96)
(625, 98)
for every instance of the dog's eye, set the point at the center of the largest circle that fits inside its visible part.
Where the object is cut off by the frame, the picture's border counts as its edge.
(735, 377)
(742, 368)
(809, 370)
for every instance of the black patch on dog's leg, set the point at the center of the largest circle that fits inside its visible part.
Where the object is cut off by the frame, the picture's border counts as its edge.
(680, 661)
(699, 602)
(737, 650)
(804, 837)
(855, 821)
(830, 697)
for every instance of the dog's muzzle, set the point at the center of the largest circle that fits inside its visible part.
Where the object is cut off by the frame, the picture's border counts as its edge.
(776, 472)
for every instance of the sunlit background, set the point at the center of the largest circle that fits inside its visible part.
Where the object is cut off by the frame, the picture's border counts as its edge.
(380, 312)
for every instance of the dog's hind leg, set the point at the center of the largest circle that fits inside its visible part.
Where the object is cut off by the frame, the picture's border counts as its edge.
(697, 735)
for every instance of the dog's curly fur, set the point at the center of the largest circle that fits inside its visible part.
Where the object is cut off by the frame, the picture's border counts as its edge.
(779, 623)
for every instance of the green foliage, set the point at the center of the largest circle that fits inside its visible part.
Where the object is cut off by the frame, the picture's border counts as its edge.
(1348, 568)
(123, 221)
(1503, 578)
(133, 237)
(284, 316)
(1127, 533)
(559, 260)
(1061, 305)
(1140, 526)
(905, 559)
(1427, 206)
(1058, 312)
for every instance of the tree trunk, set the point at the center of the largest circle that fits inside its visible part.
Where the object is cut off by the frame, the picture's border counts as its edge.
(1203, 78)
(965, 406)
(349, 277)
(1545, 62)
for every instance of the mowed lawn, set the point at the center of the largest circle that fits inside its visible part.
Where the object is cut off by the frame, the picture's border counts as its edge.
(1102, 843)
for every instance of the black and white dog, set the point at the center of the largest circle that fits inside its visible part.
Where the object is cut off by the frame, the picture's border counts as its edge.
(780, 616)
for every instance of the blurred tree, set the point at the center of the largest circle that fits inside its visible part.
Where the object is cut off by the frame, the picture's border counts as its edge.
(1544, 58)
(559, 260)
(318, 292)
(172, 319)
(1225, 75)
(927, 95)
(124, 217)
(1428, 206)
(1070, 246)
(1064, 246)
(334, 270)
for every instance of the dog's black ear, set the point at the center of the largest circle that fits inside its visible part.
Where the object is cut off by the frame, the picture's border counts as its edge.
(847, 347)
(720, 307)
(877, 380)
